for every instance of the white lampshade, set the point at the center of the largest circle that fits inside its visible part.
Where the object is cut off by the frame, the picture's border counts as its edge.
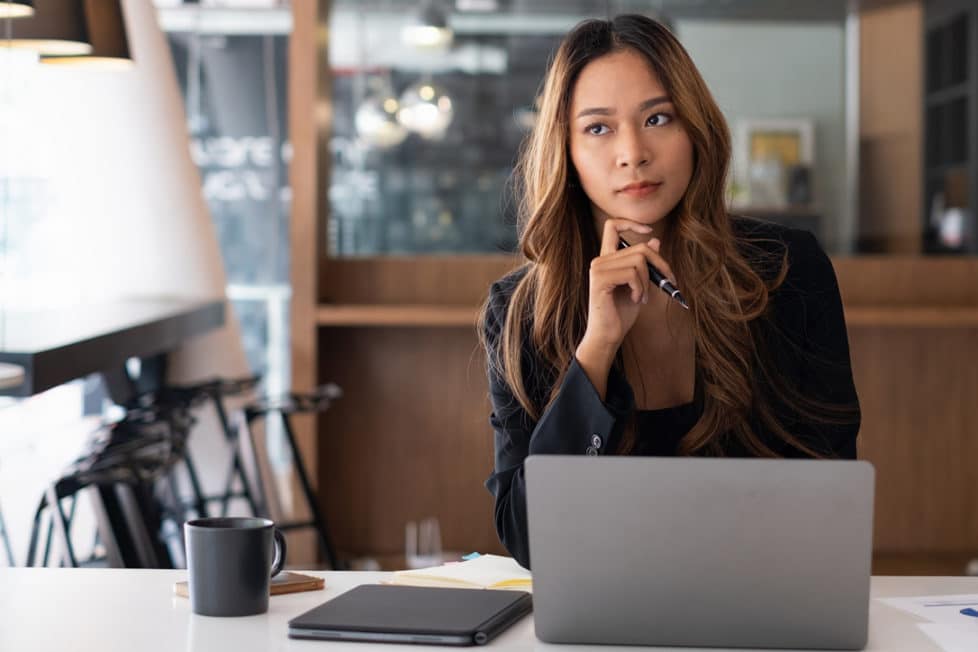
(107, 34)
(426, 109)
(376, 121)
(57, 27)
(16, 8)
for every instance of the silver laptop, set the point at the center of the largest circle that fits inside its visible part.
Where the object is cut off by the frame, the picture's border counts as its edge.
(700, 552)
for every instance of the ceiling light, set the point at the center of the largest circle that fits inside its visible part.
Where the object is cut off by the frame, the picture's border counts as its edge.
(57, 27)
(429, 28)
(477, 5)
(107, 32)
(16, 8)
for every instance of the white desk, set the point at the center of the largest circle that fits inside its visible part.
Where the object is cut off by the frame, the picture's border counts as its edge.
(44, 610)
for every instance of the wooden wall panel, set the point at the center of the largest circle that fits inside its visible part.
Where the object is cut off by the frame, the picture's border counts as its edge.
(442, 280)
(409, 440)
(891, 127)
(308, 89)
(890, 193)
(918, 281)
(918, 389)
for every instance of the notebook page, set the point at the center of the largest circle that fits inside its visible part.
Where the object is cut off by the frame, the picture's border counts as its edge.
(485, 571)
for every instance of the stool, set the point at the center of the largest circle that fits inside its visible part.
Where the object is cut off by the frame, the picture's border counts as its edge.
(6, 541)
(215, 391)
(318, 400)
(121, 465)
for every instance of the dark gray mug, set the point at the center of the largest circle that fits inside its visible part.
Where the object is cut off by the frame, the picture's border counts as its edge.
(229, 562)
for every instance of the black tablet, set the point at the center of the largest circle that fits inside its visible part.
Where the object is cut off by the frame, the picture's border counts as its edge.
(410, 614)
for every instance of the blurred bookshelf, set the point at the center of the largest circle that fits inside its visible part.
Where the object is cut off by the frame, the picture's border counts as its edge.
(951, 144)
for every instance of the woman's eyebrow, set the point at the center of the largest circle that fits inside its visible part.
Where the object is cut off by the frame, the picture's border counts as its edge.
(603, 110)
(648, 104)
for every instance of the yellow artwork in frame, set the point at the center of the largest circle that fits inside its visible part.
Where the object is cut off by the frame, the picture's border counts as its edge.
(768, 155)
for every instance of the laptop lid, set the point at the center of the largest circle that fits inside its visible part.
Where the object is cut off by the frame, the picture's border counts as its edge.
(700, 552)
(409, 614)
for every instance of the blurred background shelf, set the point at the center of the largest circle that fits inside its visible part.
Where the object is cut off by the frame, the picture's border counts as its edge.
(464, 316)
(396, 315)
(912, 317)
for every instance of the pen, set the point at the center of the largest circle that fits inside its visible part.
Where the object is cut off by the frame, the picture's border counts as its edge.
(656, 277)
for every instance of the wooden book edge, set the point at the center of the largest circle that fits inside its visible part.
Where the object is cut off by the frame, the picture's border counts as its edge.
(290, 583)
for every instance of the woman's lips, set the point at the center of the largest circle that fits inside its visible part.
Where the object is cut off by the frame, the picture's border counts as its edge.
(638, 190)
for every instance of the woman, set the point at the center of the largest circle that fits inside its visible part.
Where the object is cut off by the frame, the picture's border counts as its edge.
(625, 168)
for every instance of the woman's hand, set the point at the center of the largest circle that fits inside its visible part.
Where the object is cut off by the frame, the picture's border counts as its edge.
(619, 286)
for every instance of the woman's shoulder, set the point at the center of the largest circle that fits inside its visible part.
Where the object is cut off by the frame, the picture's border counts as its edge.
(765, 245)
(500, 295)
(501, 291)
(771, 236)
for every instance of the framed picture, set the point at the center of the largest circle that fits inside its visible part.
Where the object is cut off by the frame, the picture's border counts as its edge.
(773, 163)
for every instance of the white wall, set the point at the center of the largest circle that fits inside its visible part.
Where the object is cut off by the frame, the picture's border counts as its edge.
(782, 70)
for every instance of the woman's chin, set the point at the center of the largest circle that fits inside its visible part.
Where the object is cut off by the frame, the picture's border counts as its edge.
(633, 211)
(640, 216)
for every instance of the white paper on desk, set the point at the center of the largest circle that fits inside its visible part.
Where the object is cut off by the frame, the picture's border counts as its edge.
(945, 609)
(485, 571)
(952, 638)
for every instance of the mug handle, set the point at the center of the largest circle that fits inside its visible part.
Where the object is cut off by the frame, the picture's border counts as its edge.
(280, 549)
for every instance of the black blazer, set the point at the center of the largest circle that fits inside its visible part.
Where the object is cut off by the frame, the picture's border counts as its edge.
(804, 331)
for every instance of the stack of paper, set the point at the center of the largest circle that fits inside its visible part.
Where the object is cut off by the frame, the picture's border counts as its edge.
(953, 622)
(483, 572)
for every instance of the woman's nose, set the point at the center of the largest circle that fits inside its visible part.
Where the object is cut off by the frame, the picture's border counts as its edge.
(633, 151)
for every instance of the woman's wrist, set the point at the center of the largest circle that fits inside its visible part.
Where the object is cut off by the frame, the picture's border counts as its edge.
(596, 358)
(598, 349)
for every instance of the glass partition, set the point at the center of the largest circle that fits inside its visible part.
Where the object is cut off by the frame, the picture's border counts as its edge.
(233, 75)
(431, 101)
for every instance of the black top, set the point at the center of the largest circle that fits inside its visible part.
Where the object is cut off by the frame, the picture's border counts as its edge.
(659, 431)
(803, 331)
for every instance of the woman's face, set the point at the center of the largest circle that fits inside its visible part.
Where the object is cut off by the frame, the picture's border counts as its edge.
(631, 152)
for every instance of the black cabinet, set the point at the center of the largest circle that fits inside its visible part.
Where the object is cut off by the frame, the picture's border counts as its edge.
(951, 127)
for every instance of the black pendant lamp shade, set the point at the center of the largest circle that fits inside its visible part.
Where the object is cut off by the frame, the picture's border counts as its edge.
(16, 8)
(56, 27)
(107, 34)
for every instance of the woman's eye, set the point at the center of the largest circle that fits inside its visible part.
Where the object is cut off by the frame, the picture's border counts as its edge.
(597, 129)
(659, 119)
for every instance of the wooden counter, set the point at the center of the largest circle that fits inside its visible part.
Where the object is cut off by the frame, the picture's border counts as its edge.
(55, 346)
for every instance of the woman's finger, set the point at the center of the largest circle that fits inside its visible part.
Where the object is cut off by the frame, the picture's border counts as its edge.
(636, 260)
(607, 280)
(652, 255)
(613, 226)
(648, 252)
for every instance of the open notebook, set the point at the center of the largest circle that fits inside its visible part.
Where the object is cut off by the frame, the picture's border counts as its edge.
(483, 572)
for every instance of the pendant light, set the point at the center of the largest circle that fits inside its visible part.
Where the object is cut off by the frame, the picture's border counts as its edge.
(107, 32)
(57, 27)
(428, 29)
(426, 109)
(376, 118)
(16, 8)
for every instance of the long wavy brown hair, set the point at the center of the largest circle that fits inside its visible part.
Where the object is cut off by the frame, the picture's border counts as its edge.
(558, 240)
